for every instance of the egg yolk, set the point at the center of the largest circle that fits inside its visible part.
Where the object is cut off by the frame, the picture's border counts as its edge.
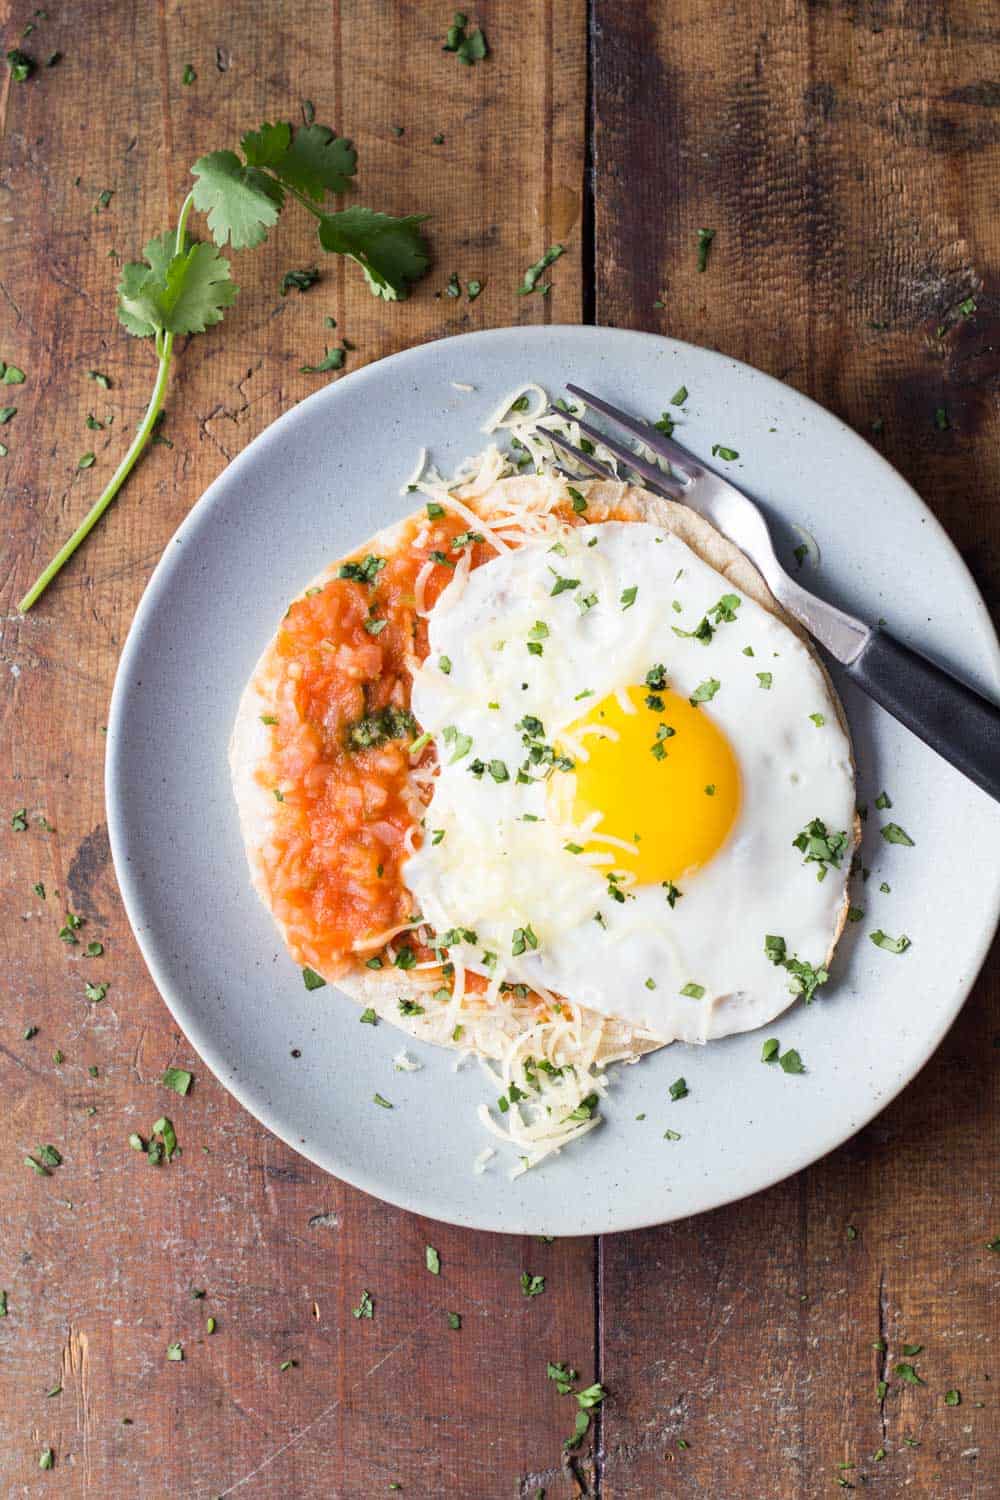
(663, 780)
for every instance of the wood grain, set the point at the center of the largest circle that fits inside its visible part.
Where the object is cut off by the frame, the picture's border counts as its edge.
(845, 156)
(99, 1259)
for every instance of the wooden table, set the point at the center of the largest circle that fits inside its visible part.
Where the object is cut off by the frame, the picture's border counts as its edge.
(848, 157)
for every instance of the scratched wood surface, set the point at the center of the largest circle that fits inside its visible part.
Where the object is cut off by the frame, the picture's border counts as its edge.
(847, 156)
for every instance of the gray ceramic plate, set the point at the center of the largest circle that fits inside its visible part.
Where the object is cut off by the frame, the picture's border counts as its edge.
(314, 485)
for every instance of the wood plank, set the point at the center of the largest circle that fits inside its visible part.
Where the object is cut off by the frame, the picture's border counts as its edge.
(98, 1259)
(845, 156)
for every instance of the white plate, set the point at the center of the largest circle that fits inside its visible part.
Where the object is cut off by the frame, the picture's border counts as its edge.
(314, 485)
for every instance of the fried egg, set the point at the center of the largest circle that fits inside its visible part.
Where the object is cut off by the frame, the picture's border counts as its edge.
(645, 795)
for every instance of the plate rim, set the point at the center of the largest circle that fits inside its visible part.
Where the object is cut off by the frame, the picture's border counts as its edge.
(189, 1021)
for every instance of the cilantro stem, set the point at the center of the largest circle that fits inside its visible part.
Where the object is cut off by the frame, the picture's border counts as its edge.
(164, 350)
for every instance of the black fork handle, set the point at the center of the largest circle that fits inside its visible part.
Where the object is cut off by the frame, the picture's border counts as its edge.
(945, 713)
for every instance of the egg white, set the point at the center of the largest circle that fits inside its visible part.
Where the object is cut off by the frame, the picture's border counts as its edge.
(485, 866)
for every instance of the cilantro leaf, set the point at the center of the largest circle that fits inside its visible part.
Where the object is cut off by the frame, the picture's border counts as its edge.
(392, 252)
(317, 162)
(266, 147)
(242, 203)
(183, 295)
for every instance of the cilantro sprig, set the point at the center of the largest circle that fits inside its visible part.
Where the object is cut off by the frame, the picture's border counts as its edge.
(183, 286)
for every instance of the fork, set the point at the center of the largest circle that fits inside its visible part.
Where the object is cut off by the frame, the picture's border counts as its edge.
(947, 714)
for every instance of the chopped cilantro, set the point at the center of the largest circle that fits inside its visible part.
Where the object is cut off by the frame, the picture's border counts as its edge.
(522, 939)
(532, 1286)
(770, 1050)
(679, 1088)
(891, 945)
(383, 1103)
(312, 980)
(629, 596)
(532, 274)
(765, 679)
(893, 834)
(469, 47)
(705, 238)
(365, 1307)
(455, 1320)
(727, 454)
(368, 1017)
(906, 1372)
(818, 719)
(705, 691)
(175, 1352)
(178, 1079)
(791, 1062)
(820, 846)
(432, 1260)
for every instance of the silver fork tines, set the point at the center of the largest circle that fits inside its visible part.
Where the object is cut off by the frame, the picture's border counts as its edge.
(652, 475)
(678, 457)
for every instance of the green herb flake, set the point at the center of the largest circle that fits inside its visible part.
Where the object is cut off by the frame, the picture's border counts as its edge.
(679, 1089)
(893, 834)
(705, 238)
(532, 274)
(432, 1260)
(890, 944)
(13, 376)
(454, 1321)
(299, 281)
(469, 47)
(188, 76)
(7, 414)
(368, 1017)
(178, 1079)
(21, 68)
(765, 679)
(952, 1398)
(769, 1051)
(791, 1062)
(382, 1103)
(628, 597)
(365, 1307)
(719, 450)
(48, 1458)
(95, 993)
(175, 1352)
(705, 691)
(86, 461)
(907, 1373)
(532, 1286)
(818, 719)
(680, 396)
(333, 359)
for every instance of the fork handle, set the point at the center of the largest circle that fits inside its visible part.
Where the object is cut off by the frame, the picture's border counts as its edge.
(945, 713)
